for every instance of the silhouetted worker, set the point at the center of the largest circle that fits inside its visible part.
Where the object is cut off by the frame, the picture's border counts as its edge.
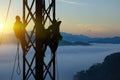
(20, 32)
(54, 36)
(54, 30)
(51, 37)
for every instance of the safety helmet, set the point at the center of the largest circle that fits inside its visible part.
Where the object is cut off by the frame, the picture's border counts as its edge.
(17, 18)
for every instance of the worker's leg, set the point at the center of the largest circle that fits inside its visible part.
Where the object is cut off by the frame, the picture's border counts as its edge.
(23, 43)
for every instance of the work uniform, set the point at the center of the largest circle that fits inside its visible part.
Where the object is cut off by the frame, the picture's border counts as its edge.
(20, 33)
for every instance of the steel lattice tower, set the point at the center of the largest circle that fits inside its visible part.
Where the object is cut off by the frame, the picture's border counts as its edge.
(37, 14)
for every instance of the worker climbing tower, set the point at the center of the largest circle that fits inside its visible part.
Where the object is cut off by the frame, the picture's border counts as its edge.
(41, 30)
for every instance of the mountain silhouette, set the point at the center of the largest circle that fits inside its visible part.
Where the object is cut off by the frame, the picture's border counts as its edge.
(73, 37)
(84, 38)
(113, 40)
(108, 70)
(69, 39)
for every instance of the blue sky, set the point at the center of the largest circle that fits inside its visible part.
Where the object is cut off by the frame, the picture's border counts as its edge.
(90, 17)
(95, 18)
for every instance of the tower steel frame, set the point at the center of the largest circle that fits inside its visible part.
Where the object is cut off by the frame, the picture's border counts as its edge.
(37, 14)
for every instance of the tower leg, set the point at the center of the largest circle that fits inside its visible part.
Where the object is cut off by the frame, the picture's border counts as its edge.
(34, 65)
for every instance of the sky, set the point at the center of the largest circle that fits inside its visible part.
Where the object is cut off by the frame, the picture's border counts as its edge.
(95, 18)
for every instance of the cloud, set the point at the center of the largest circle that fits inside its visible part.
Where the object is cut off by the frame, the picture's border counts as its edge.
(72, 2)
(98, 30)
(92, 30)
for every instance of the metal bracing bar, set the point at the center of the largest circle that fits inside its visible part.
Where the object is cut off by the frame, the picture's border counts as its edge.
(30, 12)
(37, 68)
(30, 9)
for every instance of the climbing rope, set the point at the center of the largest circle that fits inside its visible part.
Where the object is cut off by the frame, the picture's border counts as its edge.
(18, 63)
(5, 21)
(17, 58)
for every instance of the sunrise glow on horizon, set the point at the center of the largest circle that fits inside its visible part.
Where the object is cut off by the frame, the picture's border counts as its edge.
(95, 18)
(1, 26)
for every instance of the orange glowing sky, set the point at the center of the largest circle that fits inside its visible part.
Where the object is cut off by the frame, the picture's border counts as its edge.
(95, 18)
